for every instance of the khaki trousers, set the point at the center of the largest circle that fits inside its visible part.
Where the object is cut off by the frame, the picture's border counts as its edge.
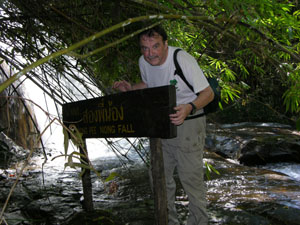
(185, 152)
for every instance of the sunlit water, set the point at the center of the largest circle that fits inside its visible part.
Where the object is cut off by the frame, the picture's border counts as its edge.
(97, 148)
(290, 169)
(53, 139)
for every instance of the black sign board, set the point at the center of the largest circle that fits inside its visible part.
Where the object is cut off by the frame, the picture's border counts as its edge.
(140, 113)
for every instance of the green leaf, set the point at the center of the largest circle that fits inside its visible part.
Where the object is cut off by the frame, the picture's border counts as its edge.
(213, 169)
(209, 169)
(111, 176)
(76, 136)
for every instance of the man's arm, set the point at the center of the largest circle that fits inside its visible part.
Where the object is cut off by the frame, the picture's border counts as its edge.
(204, 97)
(126, 86)
(182, 111)
(140, 85)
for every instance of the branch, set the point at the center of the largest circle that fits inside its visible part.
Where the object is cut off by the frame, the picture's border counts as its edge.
(112, 44)
(70, 19)
(280, 47)
(127, 22)
(153, 5)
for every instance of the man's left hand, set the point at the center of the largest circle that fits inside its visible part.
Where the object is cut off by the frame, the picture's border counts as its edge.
(182, 111)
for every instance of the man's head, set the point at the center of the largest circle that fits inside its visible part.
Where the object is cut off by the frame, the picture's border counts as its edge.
(154, 45)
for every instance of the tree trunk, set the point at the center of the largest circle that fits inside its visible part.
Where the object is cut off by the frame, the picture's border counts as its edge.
(159, 184)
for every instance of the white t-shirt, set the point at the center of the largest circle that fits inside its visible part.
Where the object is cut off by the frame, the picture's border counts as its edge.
(155, 76)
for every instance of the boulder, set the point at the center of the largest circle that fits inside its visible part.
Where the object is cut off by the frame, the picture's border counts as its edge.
(255, 143)
(264, 151)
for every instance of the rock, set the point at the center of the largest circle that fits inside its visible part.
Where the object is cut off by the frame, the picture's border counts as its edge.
(15, 218)
(255, 144)
(5, 155)
(263, 151)
(104, 217)
(36, 215)
(248, 195)
(239, 195)
(286, 215)
(10, 152)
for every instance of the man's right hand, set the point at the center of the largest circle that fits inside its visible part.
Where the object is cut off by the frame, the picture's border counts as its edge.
(122, 86)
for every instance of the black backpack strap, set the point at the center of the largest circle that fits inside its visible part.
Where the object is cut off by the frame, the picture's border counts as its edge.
(178, 70)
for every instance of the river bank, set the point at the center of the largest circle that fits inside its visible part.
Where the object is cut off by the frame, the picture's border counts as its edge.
(239, 195)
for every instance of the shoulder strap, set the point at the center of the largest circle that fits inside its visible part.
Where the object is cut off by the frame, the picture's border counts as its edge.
(178, 70)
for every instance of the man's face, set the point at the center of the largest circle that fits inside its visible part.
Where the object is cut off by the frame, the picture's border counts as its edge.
(154, 49)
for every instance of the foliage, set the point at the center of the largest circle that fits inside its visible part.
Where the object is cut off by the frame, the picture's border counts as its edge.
(73, 134)
(255, 58)
(252, 47)
(253, 44)
(210, 169)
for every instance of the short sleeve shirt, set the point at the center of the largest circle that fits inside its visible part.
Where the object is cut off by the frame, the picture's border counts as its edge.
(155, 76)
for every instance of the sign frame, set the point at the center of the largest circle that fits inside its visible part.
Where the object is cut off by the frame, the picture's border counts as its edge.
(138, 113)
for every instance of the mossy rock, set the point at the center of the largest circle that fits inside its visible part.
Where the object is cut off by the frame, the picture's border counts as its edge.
(96, 217)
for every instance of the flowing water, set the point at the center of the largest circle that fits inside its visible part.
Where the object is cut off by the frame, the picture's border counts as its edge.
(290, 169)
(240, 195)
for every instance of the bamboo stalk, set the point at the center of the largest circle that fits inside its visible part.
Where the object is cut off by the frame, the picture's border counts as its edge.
(127, 22)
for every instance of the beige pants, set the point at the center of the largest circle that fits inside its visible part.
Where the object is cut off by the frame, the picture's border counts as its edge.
(185, 152)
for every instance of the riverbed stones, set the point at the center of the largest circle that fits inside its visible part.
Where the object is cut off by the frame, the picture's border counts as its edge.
(266, 150)
(255, 144)
(239, 195)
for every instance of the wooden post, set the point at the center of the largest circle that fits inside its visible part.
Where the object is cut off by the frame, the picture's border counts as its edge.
(139, 113)
(159, 183)
(86, 183)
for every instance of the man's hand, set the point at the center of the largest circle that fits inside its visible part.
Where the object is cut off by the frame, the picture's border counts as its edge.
(126, 86)
(182, 111)
(122, 86)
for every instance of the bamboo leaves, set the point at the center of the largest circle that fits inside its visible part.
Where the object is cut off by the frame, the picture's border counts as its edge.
(91, 38)
(291, 96)
(210, 169)
(236, 41)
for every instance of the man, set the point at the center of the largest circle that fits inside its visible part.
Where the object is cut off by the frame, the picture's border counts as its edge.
(185, 152)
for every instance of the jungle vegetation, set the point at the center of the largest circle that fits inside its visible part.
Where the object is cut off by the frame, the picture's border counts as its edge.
(252, 47)
(76, 49)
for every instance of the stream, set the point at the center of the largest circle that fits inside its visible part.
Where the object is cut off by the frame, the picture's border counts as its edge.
(263, 194)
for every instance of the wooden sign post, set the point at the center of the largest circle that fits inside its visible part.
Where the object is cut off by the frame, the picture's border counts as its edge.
(140, 113)
(159, 184)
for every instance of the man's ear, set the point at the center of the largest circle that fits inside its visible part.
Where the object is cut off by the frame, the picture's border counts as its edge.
(166, 43)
